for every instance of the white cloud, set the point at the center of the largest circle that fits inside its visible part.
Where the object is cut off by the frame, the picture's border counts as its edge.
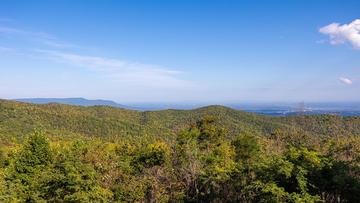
(121, 70)
(346, 81)
(340, 34)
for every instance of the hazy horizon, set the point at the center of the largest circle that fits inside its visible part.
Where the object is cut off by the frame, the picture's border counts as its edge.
(265, 108)
(272, 103)
(214, 102)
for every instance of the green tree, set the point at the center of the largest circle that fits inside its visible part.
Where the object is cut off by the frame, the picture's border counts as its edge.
(155, 154)
(204, 161)
(73, 180)
(25, 176)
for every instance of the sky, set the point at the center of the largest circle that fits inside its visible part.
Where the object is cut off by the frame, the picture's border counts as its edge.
(212, 51)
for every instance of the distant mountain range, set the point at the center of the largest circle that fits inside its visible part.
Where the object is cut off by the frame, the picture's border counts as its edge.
(75, 101)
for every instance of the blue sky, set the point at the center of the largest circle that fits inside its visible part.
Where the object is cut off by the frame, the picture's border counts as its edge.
(181, 51)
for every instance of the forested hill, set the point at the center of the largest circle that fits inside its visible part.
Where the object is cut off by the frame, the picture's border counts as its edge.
(18, 119)
(64, 153)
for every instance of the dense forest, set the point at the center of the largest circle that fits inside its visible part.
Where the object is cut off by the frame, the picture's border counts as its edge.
(63, 153)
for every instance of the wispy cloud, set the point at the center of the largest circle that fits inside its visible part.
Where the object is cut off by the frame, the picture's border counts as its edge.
(11, 30)
(340, 34)
(121, 70)
(346, 81)
(126, 72)
(42, 37)
(6, 49)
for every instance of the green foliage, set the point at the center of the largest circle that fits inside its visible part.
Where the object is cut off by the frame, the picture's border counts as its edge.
(246, 147)
(23, 177)
(204, 160)
(35, 153)
(212, 154)
(72, 179)
(152, 155)
(291, 174)
(65, 121)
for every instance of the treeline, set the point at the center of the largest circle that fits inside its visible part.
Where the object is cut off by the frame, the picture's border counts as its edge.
(201, 164)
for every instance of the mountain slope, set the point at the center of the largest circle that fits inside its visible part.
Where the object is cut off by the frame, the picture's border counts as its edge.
(18, 119)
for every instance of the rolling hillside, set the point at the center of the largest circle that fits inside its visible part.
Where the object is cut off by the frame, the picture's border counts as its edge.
(107, 154)
(18, 119)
